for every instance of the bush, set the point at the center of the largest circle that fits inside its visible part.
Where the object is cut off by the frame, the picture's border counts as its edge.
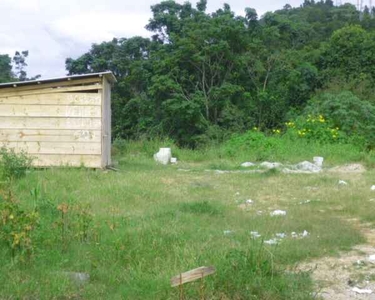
(13, 165)
(355, 117)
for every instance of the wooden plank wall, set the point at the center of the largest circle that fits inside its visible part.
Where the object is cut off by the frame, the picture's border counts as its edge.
(57, 127)
(106, 123)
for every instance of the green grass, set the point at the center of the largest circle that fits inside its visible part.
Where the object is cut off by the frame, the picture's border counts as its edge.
(151, 222)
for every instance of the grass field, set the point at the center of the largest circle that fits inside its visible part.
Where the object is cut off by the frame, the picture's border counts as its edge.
(134, 229)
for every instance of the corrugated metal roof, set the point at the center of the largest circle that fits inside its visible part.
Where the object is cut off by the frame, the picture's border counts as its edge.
(111, 78)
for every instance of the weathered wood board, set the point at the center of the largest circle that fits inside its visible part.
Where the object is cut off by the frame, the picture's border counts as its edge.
(59, 122)
(192, 275)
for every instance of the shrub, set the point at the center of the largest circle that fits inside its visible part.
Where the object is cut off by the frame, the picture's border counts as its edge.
(13, 165)
(355, 117)
(315, 128)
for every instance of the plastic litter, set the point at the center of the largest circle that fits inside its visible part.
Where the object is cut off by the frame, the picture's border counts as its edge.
(278, 212)
(163, 156)
(361, 291)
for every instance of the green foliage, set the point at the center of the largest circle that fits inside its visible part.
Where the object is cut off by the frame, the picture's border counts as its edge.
(315, 128)
(354, 117)
(17, 227)
(13, 165)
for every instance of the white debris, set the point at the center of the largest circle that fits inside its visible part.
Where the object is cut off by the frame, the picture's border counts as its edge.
(361, 291)
(272, 242)
(270, 165)
(247, 164)
(163, 156)
(227, 232)
(308, 167)
(281, 235)
(304, 233)
(173, 160)
(255, 234)
(373, 188)
(249, 201)
(371, 258)
(318, 161)
(305, 202)
(278, 212)
(342, 182)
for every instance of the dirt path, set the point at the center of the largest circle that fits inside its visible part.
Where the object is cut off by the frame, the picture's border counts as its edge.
(335, 277)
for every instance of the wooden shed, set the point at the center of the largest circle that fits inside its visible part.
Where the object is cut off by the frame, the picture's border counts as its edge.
(61, 121)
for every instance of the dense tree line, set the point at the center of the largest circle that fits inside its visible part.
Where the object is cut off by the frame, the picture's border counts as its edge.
(203, 76)
(13, 69)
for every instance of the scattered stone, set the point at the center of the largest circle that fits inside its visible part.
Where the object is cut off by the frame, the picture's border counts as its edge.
(77, 277)
(249, 201)
(255, 234)
(163, 156)
(227, 232)
(361, 291)
(305, 233)
(349, 168)
(278, 212)
(318, 161)
(373, 188)
(371, 258)
(173, 160)
(294, 235)
(272, 242)
(259, 212)
(247, 164)
(305, 202)
(237, 193)
(342, 182)
(270, 165)
(308, 167)
(281, 235)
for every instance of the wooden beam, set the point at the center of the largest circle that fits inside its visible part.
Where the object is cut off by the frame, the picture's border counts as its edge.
(52, 90)
(192, 275)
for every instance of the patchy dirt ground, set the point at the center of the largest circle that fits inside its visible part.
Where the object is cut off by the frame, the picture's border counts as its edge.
(336, 277)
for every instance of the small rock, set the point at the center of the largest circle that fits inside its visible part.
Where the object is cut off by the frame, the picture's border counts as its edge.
(259, 212)
(249, 201)
(77, 277)
(247, 164)
(173, 160)
(294, 235)
(342, 182)
(308, 166)
(237, 193)
(305, 202)
(270, 165)
(281, 235)
(278, 212)
(304, 233)
(361, 291)
(227, 232)
(371, 258)
(373, 188)
(272, 242)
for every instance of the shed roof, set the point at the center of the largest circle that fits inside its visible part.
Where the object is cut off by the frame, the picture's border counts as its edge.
(109, 75)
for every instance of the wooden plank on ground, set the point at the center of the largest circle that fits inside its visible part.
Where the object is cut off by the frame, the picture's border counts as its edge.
(54, 147)
(54, 99)
(9, 110)
(48, 135)
(50, 123)
(192, 275)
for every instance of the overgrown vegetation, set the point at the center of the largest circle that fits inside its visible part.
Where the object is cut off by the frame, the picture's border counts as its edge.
(204, 76)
